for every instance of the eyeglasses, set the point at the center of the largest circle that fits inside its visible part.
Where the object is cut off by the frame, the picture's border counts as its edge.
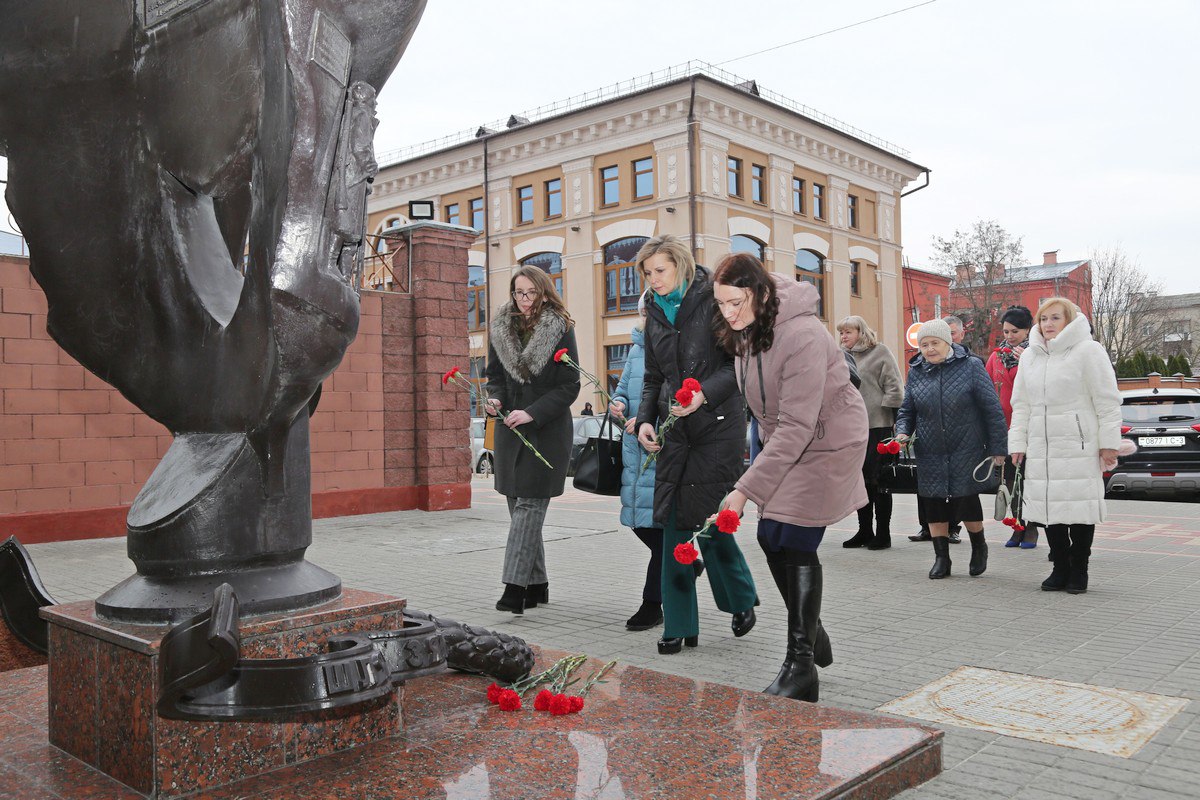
(525, 295)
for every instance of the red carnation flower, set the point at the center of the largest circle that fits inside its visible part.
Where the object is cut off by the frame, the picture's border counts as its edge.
(558, 356)
(542, 701)
(684, 397)
(1018, 527)
(449, 374)
(576, 704)
(686, 553)
(894, 448)
(493, 693)
(509, 700)
(1009, 521)
(728, 521)
(881, 448)
(560, 704)
(691, 384)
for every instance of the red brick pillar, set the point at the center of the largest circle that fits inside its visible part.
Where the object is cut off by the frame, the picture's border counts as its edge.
(426, 442)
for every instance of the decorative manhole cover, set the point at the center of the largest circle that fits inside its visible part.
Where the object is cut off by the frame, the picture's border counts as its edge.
(1111, 721)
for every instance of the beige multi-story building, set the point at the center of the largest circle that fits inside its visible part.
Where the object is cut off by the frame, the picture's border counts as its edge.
(577, 187)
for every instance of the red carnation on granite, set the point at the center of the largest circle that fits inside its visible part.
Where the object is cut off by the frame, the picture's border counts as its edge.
(509, 700)
(576, 704)
(558, 354)
(542, 701)
(560, 704)
(686, 553)
(728, 521)
(449, 376)
(493, 693)
(691, 384)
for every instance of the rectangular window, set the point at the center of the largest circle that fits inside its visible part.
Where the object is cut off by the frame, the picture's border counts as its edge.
(818, 205)
(643, 178)
(452, 213)
(610, 186)
(852, 210)
(614, 356)
(854, 285)
(477, 213)
(524, 205)
(478, 366)
(735, 177)
(476, 308)
(554, 198)
(757, 173)
(797, 195)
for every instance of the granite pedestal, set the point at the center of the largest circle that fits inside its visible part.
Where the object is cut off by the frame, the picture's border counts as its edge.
(103, 686)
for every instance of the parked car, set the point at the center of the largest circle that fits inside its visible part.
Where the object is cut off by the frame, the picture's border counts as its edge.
(1165, 426)
(589, 428)
(482, 459)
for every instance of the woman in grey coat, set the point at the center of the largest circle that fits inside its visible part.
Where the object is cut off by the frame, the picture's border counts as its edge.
(882, 390)
(536, 393)
(952, 411)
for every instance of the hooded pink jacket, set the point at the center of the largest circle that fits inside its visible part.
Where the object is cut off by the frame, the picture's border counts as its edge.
(814, 424)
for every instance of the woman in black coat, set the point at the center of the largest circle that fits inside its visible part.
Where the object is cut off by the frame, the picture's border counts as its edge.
(951, 410)
(536, 393)
(701, 458)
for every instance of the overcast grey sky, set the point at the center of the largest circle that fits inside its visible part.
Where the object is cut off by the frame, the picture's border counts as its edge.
(1073, 124)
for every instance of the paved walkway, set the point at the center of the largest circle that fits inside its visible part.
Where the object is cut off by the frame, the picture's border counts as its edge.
(893, 630)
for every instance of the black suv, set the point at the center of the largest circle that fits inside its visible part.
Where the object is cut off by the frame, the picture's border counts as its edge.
(1165, 426)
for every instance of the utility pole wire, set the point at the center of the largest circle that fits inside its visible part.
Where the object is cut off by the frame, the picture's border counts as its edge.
(826, 33)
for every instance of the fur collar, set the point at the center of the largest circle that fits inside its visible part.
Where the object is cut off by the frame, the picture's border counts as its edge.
(525, 363)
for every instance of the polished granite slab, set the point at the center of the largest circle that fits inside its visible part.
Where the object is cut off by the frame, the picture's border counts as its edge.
(642, 735)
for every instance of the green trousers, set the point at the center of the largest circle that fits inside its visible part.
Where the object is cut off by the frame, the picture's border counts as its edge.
(728, 575)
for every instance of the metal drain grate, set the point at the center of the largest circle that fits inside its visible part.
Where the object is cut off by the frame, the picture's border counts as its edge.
(1110, 721)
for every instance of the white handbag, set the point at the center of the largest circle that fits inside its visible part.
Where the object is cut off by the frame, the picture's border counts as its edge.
(1003, 495)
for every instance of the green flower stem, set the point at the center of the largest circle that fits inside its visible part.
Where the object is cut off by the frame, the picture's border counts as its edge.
(463, 383)
(595, 678)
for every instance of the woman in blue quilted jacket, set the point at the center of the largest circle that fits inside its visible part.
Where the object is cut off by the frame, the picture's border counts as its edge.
(952, 412)
(637, 485)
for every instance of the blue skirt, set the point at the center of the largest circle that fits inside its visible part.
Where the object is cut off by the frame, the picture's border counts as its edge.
(775, 536)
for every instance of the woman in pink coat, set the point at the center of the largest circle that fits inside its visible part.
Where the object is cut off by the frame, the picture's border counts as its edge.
(814, 428)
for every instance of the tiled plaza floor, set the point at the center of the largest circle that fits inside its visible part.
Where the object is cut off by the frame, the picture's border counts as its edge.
(893, 630)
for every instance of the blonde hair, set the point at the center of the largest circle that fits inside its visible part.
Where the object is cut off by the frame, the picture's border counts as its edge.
(1070, 310)
(673, 248)
(867, 338)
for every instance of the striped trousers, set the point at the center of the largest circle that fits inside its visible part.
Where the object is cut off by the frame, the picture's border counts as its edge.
(525, 554)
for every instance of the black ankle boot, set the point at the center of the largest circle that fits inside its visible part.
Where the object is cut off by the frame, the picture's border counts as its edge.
(1060, 555)
(645, 618)
(742, 622)
(668, 647)
(798, 677)
(512, 600)
(537, 593)
(941, 558)
(979, 553)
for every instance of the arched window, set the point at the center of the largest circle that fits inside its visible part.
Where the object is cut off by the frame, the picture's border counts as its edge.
(622, 283)
(551, 264)
(810, 268)
(745, 244)
(476, 298)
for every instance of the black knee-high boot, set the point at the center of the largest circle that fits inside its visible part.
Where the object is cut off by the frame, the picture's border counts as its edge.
(798, 678)
(823, 649)
(882, 501)
(1060, 554)
(1080, 552)
(864, 535)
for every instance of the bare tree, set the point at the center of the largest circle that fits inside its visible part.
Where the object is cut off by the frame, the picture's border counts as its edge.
(977, 261)
(1124, 304)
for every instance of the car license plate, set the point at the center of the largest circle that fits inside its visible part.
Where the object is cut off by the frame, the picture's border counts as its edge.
(1161, 441)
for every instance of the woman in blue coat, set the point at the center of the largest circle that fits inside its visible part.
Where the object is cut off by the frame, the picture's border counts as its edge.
(637, 485)
(951, 409)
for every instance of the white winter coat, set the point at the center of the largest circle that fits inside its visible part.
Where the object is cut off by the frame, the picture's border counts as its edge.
(1066, 408)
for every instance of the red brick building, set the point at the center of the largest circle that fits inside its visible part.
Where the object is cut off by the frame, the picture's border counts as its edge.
(926, 296)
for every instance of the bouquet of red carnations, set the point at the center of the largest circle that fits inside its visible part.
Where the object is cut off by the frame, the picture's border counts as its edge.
(683, 398)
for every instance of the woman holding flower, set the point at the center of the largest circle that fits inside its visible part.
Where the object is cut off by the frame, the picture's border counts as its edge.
(814, 427)
(700, 457)
(522, 375)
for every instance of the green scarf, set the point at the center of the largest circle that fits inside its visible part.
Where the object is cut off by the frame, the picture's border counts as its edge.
(669, 303)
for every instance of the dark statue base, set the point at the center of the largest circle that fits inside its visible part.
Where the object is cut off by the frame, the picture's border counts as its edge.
(104, 683)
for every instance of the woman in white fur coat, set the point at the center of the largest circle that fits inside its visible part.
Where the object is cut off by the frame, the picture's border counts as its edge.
(1066, 426)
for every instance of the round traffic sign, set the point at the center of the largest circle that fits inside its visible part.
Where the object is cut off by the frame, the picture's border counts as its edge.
(911, 334)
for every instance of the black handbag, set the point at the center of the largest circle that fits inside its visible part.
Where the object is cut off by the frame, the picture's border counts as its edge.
(599, 467)
(898, 474)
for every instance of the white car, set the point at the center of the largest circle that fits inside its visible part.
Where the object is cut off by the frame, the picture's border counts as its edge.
(482, 460)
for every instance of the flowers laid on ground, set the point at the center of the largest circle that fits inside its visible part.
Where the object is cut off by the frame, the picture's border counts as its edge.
(454, 376)
(562, 357)
(893, 446)
(553, 699)
(727, 521)
(683, 398)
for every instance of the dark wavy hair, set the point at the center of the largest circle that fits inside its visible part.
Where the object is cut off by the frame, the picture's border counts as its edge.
(745, 271)
(1018, 317)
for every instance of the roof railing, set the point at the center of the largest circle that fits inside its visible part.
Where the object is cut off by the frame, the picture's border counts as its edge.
(628, 87)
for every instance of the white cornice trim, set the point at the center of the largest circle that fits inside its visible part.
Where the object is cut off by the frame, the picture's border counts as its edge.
(810, 241)
(538, 244)
(476, 258)
(859, 253)
(745, 226)
(625, 228)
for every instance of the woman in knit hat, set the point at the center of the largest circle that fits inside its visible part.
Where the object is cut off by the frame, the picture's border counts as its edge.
(951, 409)
(882, 390)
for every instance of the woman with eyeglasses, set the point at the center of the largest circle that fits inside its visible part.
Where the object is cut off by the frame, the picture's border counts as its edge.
(536, 394)
(700, 458)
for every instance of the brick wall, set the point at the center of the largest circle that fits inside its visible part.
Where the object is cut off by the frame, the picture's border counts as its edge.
(74, 452)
